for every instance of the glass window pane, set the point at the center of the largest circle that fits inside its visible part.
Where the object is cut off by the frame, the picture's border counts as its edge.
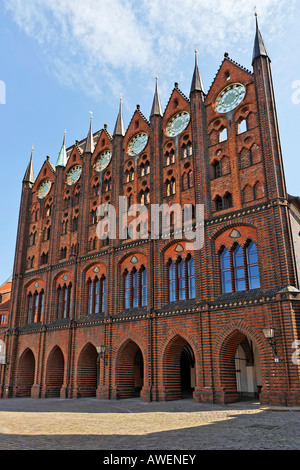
(240, 284)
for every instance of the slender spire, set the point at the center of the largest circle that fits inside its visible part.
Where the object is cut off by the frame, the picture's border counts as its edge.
(197, 84)
(259, 48)
(89, 144)
(29, 173)
(156, 107)
(119, 127)
(62, 156)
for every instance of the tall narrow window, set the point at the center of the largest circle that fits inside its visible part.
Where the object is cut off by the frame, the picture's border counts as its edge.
(242, 126)
(70, 291)
(191, 278)
(218, 169)
(97, 295)
(30, 307)
(252, 266)
(127, 290)
(225, 271)
(41, 306)
(181, 280)
(172, 282)
(103, 293)
(65, 300)
(239, 269)
(90, 297)
(135, 286)
(144, 287)
(59, 302)
(35, 306)
(223, 134)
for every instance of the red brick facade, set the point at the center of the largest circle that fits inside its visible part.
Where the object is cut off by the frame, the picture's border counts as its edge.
(73, 292)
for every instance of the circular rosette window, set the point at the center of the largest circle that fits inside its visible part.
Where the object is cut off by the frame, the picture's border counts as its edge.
(137, 144)
(177, 124)
(230, 97)
(73, 175)
(44, 189)
(102, 161)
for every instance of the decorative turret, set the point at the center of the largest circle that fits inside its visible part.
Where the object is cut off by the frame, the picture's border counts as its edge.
(197, 84)
(259, 48)
(119, 127)
(156, 106)
(62, 156)
(89, 145)
(29, 174)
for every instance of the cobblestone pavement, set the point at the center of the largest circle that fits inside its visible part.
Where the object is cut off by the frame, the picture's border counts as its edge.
(91, 424)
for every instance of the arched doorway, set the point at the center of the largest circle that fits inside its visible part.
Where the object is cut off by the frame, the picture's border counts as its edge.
(179, 369)
(87, 372)
(240, 368)
(187, 371)
(25, 378)
(55, 373)
(129, 371)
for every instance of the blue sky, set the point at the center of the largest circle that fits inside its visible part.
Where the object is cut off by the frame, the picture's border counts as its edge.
(61, 59)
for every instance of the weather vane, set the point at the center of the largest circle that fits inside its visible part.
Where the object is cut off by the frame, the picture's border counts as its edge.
(91, 113)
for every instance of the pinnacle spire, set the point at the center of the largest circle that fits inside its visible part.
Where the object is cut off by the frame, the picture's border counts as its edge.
(62, 156)
(89, 144)
(29, 173)
(259, 48)
(119, 127)
(197, 83)
(156, 106)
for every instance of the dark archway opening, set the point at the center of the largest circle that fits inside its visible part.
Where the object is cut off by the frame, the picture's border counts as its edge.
(25, 378)
(187, 365)
(129, 371)
(138, 373)
(55, 373)
(87, 372)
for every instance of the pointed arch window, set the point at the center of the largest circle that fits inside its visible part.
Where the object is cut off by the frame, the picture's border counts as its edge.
(145, 168)
(239, 268)
(96, 295)
(182, 279)
(93, 217)
(64, 300)
(32, 238)
(35, 306)
(145, 196)
(135, 288)
(65, 227)
(129, 174)
(171, 187)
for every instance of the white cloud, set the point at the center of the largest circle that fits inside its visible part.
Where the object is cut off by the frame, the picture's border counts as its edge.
(99, 45)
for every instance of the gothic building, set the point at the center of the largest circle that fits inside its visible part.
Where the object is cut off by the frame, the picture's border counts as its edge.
(151, 317)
